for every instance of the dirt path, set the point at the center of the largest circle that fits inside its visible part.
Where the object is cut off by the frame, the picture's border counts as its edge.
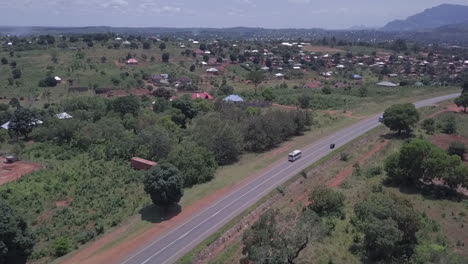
(451, 108)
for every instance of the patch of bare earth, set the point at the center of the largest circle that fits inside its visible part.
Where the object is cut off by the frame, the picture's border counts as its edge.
(13, 171)
(443, 141)
(450, 108)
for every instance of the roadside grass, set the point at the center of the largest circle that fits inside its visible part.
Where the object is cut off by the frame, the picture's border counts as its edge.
(461, 120)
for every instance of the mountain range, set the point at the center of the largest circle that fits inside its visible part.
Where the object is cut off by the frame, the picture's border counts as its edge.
(432, 18)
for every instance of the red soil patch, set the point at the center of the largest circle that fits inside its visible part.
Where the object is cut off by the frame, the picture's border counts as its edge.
(64, 203)
(14, 171)
(93, 253)
(443, 141)
(44, 216)
(341, 177)
(451, 108)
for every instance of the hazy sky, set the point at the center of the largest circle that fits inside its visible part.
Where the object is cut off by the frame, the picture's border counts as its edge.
(211, 13)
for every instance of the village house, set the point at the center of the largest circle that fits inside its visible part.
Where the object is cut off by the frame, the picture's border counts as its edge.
(132, 61)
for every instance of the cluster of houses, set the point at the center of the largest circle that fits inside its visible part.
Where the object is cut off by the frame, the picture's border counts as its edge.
(37, 122)
(327, 65)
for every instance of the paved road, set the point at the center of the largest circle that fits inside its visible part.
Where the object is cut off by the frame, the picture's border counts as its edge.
(168, 248)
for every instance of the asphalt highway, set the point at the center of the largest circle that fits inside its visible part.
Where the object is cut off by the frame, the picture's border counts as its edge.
(182, 238)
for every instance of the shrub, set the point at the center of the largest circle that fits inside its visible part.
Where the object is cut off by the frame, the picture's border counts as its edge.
(62, 246)
(457, 148)
(344, 156)
(327, 202)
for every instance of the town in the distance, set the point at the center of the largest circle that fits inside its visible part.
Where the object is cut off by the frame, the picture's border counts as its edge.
(262, 145)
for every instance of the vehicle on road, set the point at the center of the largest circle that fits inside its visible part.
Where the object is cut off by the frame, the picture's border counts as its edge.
(295, 155)
(332, 146)
(381, 119)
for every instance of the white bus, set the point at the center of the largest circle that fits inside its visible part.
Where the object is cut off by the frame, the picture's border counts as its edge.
(295, 155)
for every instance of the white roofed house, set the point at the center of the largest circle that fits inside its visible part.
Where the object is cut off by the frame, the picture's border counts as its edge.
(58, 79)
(279, 75)
(213, 71)
(387, 84)
(63, 115)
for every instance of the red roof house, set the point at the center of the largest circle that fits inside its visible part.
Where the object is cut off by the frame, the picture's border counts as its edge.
(204, 95)
(315, 84)
(142, 164)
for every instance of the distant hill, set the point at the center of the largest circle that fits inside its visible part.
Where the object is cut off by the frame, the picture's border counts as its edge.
(431, 18)
(461, 28)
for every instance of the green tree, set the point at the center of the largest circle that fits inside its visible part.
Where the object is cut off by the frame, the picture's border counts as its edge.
(462, 101)
(256, 77)
(4, 107)
(220, 136)
(165, 57)
(457, 148)
(192, 68)
(147, 45)
(226, 89)
(429, 125)
(4, 61)
(196, 164)
(268, 95)
(49, 81)
(276, 238)
(103, 59)
(206, 58)
(153, 143)
(389, 225)
(22, 122)
(164, 184)
(326, 90)
(126, 105)
(16, 241)
(401, 117)
(187, 108)
(304, 101)
(16, 73)
(465, 87)
(449, 125)
(327, 202)
(363, 91)
(62, 246)
(419, 160)
(14, 102)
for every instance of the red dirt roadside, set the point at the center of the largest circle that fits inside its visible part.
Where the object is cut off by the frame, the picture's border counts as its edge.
(92, 254)
(341, 177)
(449, 108)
